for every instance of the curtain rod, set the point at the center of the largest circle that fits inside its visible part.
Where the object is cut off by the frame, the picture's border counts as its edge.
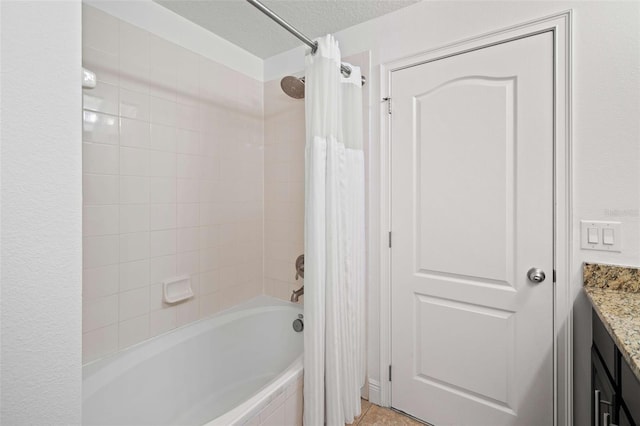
(346, 71)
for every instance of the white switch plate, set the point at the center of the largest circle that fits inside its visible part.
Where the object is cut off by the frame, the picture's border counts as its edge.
(600, 226)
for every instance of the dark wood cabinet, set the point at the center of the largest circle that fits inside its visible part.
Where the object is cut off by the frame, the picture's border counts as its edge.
(615, 390)
(604, 397)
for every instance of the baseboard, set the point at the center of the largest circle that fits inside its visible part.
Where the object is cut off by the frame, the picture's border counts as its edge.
(374, 392)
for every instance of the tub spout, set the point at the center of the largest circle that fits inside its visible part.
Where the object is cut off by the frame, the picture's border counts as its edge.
(296, 294)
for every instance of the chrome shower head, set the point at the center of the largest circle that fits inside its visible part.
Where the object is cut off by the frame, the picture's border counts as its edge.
(293, 86)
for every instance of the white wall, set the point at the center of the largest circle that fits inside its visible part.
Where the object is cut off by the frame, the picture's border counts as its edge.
(606, 129)
(41, 213)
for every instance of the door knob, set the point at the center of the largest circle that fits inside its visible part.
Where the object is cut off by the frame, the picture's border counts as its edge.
(536, 275)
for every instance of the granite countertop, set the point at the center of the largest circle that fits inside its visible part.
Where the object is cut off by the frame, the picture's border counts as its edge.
(614, 292)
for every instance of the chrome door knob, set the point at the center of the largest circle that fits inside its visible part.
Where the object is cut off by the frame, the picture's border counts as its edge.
(536, 275)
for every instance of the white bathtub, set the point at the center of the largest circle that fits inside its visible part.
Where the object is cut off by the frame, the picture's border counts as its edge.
(243, 366)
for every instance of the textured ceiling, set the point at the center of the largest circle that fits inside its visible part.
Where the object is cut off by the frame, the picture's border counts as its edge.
(245, 26)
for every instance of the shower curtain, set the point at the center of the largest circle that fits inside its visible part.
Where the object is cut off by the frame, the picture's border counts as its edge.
(334, 334)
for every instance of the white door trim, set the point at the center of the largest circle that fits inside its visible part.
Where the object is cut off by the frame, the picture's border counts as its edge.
(560, 25)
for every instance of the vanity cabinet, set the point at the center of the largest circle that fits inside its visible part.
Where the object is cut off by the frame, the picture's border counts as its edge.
(615, 390)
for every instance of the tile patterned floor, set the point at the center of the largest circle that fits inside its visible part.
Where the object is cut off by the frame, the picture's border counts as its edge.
(375, 415)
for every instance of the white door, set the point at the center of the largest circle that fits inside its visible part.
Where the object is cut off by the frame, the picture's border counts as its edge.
(472, 212)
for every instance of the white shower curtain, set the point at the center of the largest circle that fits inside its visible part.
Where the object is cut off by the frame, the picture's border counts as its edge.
(334, 334)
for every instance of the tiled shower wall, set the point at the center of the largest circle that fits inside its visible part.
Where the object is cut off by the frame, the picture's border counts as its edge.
(172, 184)
(283, 189)
(284, 141)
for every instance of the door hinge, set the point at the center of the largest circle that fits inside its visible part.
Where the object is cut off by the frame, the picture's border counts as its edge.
(389, 239)
(554, 275)
(388, 101)
(389, 373)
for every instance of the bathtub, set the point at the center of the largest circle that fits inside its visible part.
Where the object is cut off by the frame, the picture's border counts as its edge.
(242, 366)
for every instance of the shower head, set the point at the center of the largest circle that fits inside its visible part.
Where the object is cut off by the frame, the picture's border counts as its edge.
(293, 86)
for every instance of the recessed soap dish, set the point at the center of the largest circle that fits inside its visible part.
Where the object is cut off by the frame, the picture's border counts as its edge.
(177, 289)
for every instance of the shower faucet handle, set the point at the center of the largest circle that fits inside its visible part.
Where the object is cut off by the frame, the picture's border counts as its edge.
(300, 267)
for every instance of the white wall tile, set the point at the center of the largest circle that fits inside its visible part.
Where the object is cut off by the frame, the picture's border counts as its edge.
(99, 343)
(99, 30)
(210, 168)
(134, 190)
(210, 236)
(134, 133)
(274, 416)
(134, 104)
(133, 331)
(162, 243)
(208, 145)
(99, 312)
(187, 117)
(209, 282)
(99, 189)
(188, 215)
(134, 161)
(162, 163)
(134, 246)
(134, 303)
(186, 312)
(162, 268)
(208, 305)
(207, 212)
(210, 259)
(134, 218)
(102, 98)
(104, 64)
(188, 142)
(134, 58)
(162, 190)
(99, 282)
(99, 220)
(100, 128)
(156, 300)
(163, 138)
(215, 191)
(253, 421)
(188, 81)
(188, 166)
(99, 158)
(134, 275)
(163, 111)
(293, 407)
(188, 239)
(188, 262)
(99, 251)
(163, 67)
(188, 190)
(162, 216)
(162, 320)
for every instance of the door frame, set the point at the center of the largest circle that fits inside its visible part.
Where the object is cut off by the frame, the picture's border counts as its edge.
(560, 25)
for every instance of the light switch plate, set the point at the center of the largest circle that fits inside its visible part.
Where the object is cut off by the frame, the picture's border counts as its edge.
(616, 227)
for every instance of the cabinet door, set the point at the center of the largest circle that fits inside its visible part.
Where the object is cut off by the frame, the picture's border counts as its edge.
(603, 393)
(624, 419)
(630, 389)
(604, 344)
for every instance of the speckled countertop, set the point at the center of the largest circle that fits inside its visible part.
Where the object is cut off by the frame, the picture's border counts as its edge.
(614, 292)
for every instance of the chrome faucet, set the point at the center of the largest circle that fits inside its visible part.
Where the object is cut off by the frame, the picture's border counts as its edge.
(299, 274)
